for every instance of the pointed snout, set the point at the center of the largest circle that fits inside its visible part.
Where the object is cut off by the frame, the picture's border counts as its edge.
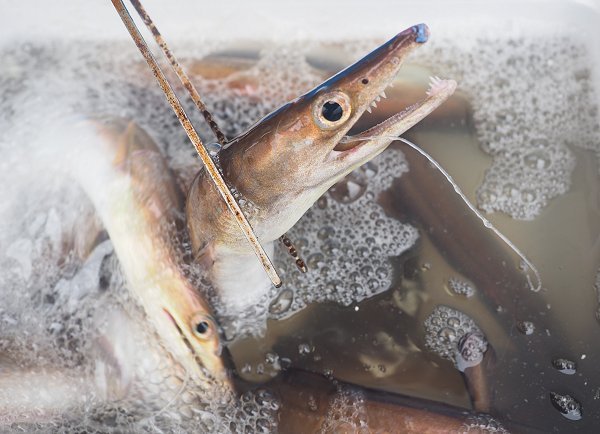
(381, 65)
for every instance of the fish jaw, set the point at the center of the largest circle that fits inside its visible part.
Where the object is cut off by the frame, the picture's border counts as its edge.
(354, 151)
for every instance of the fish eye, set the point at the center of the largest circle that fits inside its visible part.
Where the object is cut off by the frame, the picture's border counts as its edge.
(331, 110)
(202, 326)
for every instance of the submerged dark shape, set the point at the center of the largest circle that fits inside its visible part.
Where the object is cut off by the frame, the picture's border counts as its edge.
(312, 403)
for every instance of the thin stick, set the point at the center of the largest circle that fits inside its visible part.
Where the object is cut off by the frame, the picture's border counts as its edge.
(195, 139)
(195, 95)
(179, 71)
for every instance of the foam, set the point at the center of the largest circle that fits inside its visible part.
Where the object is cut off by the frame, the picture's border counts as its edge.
(56, 295)
(348, 261)
(346, 412)
(454, 336)
(533, 99)
(461, 287)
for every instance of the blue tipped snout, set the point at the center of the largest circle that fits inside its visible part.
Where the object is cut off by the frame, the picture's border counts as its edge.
(422, 33)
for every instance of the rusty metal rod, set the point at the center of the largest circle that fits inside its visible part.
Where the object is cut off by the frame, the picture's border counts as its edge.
(197, 142)
(195, 95)
(179, 71)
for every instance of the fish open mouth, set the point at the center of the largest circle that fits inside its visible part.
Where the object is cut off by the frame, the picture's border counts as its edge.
(439, 91)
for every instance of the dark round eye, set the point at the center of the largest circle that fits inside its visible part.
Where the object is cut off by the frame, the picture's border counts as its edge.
(365, 81)
(202, 327)
(332, 111)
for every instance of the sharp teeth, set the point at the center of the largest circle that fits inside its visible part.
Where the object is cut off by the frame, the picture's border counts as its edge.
(383, 95)
(378, 99)
(369, 109)
(435, 84)
(374, 104)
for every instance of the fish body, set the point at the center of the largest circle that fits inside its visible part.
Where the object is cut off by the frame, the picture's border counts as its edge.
(290, 158)
(316, 404)
(123, 173)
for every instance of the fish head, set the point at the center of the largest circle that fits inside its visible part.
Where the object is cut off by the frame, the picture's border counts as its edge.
(286, 161)
(142, 217)
(195, 333)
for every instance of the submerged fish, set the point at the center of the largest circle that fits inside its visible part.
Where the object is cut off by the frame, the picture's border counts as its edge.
(285, 162)
(319, 405)
(123, 173)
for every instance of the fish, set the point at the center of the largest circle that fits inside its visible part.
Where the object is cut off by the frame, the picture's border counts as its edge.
(122, 171)
(282, 165)
(318, 404)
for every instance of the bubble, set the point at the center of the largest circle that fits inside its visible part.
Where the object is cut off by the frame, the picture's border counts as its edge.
(325, 232)
(454, 336)
(565, 366)
(213, 148)
(315, 260)
(526, 327)
(568, 406)
(282, 303)
(461, 287)
(304, 349)
(471, 349)
(447, 335)
(347, 192)
(537, 160)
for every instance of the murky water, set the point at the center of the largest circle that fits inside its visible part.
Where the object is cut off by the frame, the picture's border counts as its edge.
(512, 142)
(381, 342)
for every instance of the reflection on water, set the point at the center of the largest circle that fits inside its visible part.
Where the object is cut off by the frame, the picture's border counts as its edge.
(392, 248)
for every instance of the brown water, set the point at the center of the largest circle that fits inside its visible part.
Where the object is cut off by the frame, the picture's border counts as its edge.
(380, 341)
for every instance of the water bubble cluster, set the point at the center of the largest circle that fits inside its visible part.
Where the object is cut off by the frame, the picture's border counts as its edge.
(347, 240)
(461, 287)
(565, 366)
(529, 120)
(454, 336)
(346, 412)
(99, 337)
(568, 406)
(529, 109)
(484, 423)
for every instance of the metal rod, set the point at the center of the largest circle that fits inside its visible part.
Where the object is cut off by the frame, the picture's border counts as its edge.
(195, 95)
(179, 71)
(197, 142)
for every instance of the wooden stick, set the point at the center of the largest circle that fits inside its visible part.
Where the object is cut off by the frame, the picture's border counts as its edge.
(179, 71)
(214, 173)
(195, 95)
